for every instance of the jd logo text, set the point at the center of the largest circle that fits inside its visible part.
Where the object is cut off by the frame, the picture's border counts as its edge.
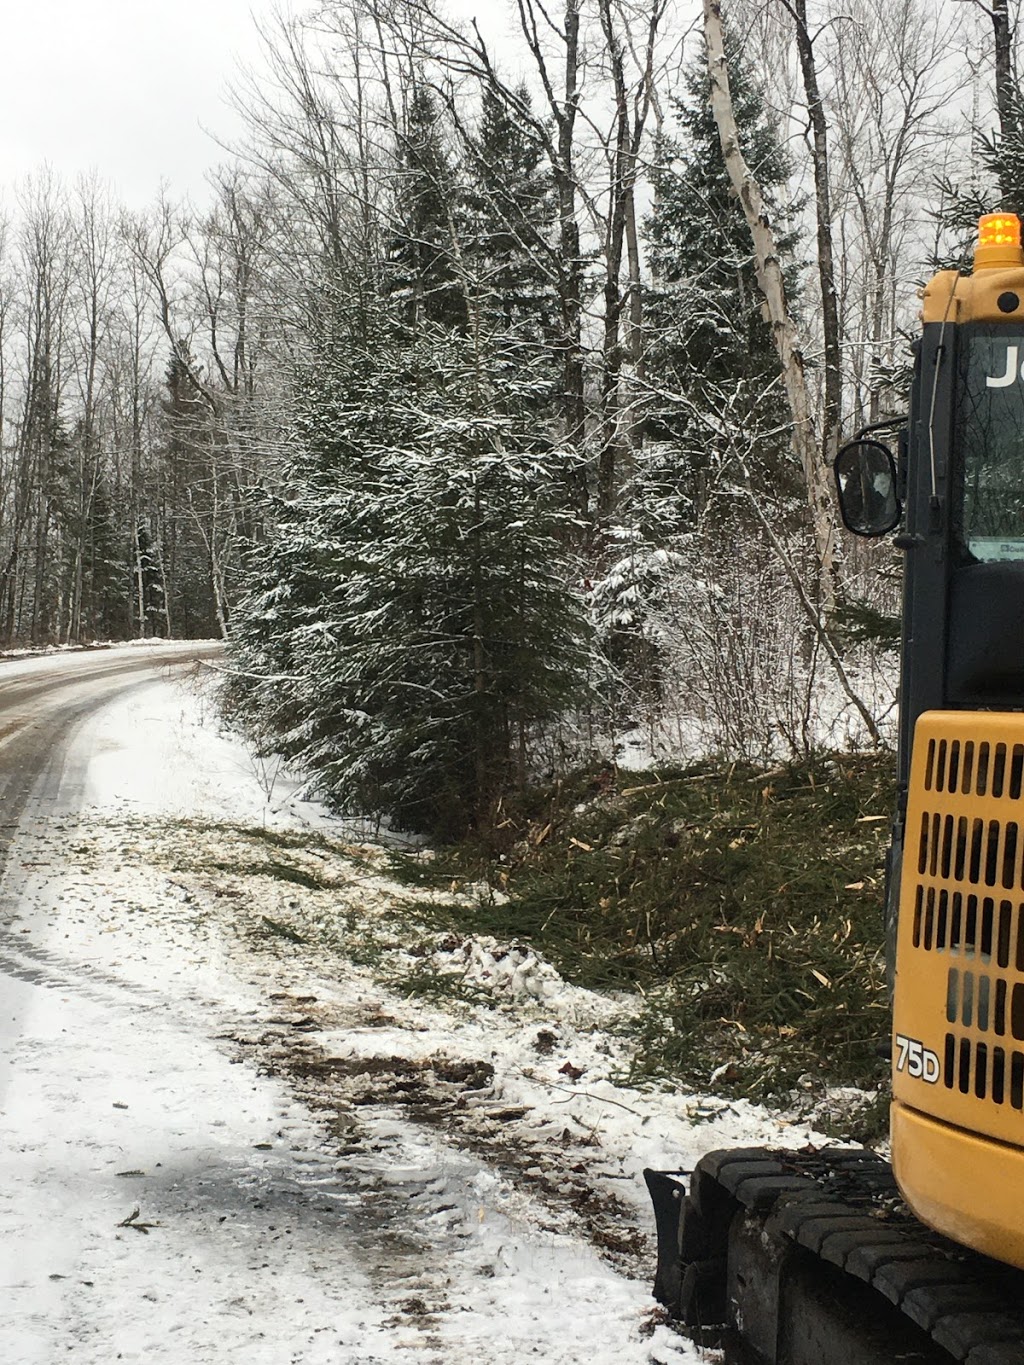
(1013, 371)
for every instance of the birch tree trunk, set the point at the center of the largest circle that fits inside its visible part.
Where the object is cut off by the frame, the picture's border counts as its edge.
(770, 280)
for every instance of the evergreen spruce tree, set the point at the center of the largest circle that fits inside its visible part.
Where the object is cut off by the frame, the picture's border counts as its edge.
(712, 363)
(508, 219)
(423, 271)
(412, 620)
(506, 222)
(177, 562)
(105, 571)
(149, 583)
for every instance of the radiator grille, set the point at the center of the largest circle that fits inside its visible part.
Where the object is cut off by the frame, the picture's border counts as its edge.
(965, 923)
(986, 1071)
(960, 952)
(986, 1003)
(979, 852)
(970, 768)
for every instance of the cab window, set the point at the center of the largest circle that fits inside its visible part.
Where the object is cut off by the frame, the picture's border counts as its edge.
(990, 441)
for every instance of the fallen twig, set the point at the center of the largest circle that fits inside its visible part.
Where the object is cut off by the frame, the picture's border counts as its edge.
(134, 1221)
(585, 1094)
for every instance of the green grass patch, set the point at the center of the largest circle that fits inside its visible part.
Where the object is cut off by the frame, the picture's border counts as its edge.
(412, 869)
(440, 988)
(744, 905)
(274, 928)
(281, 838)
(282, 872)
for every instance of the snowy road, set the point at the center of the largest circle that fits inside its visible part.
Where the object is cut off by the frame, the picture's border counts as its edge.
(45, 699)
(209, 1145)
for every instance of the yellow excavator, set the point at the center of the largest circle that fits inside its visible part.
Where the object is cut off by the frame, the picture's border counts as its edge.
(834, 1257)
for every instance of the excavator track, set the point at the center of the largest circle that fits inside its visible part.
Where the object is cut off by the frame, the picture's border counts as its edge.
(812, 1258)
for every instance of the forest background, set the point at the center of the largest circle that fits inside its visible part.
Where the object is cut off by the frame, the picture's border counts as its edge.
(456, 404)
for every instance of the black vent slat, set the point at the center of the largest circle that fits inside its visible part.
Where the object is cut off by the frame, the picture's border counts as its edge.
(953, 766)
(1005, 933)
(998, 1075)
(956, 928)
(967, 1000)
(946, 864)
(1017, 1011)
(995, 830)
(977, 839)
(981, 779)
(988, 910)
(918, 898)
(981, 1071)
(971, 925)
(984, 997)
(999, 770)
(942, 920)
(1010, 854)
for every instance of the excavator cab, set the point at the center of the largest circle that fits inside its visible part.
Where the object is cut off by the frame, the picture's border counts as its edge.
(748, 1229)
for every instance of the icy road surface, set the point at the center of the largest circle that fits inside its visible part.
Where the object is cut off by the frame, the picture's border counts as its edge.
(219, 1145)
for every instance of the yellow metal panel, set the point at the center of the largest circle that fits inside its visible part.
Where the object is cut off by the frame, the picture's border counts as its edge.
(967, 1187)
(958, 1018)
(951, 297)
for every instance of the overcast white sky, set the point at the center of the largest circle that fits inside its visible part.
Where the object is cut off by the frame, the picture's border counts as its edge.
(122, 86)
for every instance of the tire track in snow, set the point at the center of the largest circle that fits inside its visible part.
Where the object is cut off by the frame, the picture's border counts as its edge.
(22, 961)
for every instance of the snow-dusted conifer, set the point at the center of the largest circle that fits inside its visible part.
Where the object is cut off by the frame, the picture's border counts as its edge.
(711, 361)
(414, 618)
(423, 271)
(508, 221)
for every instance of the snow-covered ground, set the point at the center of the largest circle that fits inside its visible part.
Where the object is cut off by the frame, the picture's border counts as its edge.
(236, 1122)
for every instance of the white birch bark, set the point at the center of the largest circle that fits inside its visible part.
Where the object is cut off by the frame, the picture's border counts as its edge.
(772, 285)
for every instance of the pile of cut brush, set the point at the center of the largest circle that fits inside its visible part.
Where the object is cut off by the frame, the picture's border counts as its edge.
(743, 905)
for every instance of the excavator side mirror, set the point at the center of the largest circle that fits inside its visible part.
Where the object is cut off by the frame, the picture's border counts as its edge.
(866, 481)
